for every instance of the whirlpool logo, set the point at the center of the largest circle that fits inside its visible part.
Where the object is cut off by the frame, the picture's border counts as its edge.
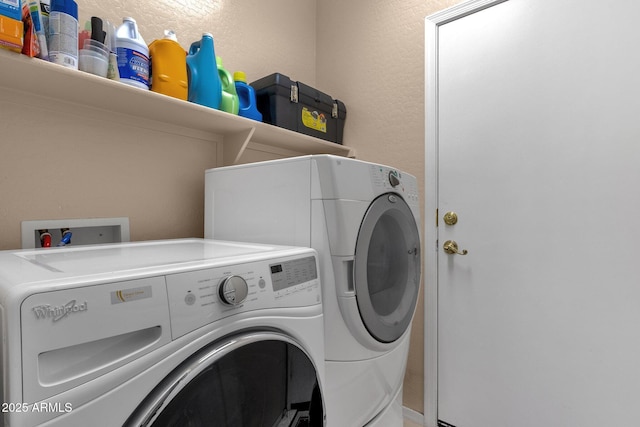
(59, 312)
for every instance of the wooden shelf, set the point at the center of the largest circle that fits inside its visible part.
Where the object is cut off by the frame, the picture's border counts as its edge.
(35, 79)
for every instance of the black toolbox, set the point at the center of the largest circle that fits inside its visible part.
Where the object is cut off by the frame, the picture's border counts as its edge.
(298, 107)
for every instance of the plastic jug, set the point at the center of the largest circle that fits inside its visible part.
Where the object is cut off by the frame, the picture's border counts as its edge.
(169, 67)
(133, 55)
(246, 97)
(204, 81)
(229, 102)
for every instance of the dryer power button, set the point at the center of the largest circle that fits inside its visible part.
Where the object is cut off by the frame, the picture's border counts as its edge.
(233, 290)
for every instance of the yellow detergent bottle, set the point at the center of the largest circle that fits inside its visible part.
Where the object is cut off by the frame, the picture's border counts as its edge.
(169, 67)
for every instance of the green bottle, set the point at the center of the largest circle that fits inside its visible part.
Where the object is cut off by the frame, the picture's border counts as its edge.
(230, 102)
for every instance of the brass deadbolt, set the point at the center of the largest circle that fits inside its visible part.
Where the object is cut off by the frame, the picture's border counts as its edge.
(450, 218)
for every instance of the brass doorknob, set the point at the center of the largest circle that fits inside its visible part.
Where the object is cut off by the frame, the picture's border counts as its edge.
(451, 247)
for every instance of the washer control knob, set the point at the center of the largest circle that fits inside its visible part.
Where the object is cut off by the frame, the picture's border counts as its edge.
(393, 179)
(233, 290)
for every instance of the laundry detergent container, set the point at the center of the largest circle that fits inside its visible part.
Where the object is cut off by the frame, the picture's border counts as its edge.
(295, 106)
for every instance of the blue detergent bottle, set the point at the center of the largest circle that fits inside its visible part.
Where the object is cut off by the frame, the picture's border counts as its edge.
(247, 97)
(204, 81)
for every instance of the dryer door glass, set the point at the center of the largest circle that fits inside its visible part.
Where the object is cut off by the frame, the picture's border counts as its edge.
(255, 380)
(386, 269)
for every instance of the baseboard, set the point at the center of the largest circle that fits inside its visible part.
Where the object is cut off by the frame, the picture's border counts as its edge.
(413, 416)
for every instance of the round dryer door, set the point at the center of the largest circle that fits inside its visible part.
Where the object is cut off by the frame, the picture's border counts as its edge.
(386, 271)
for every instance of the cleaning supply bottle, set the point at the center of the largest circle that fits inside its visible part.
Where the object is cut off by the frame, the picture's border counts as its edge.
(133, 55)
(246, 97)
(45, 11)
(63, 33)
(111, 41)
(169, 67)
(38, 26)
(204, 81)
(229, 102)
(84, 34)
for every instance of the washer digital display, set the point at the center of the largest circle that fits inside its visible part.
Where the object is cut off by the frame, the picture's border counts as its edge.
(291, 273)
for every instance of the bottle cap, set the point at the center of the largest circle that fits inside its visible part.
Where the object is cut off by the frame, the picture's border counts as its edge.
(239, 76)
(170, 35)
(69, 7)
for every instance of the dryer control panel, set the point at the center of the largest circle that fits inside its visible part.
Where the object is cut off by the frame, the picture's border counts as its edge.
(197, 298)
(386, 179)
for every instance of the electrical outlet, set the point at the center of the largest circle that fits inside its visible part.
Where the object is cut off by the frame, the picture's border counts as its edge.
(85, 231)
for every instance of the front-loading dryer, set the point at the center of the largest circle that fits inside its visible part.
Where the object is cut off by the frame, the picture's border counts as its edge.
(169, 333)
(362, 219)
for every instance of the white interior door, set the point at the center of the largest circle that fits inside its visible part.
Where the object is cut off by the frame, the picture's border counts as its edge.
(534, 141)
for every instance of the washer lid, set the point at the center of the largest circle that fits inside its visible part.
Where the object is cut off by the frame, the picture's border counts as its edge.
(27, 266)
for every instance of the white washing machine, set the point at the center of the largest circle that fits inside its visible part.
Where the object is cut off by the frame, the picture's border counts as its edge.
(168, 333)
(362, 219)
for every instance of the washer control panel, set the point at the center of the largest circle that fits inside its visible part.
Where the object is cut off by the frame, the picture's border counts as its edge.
(200, 297)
